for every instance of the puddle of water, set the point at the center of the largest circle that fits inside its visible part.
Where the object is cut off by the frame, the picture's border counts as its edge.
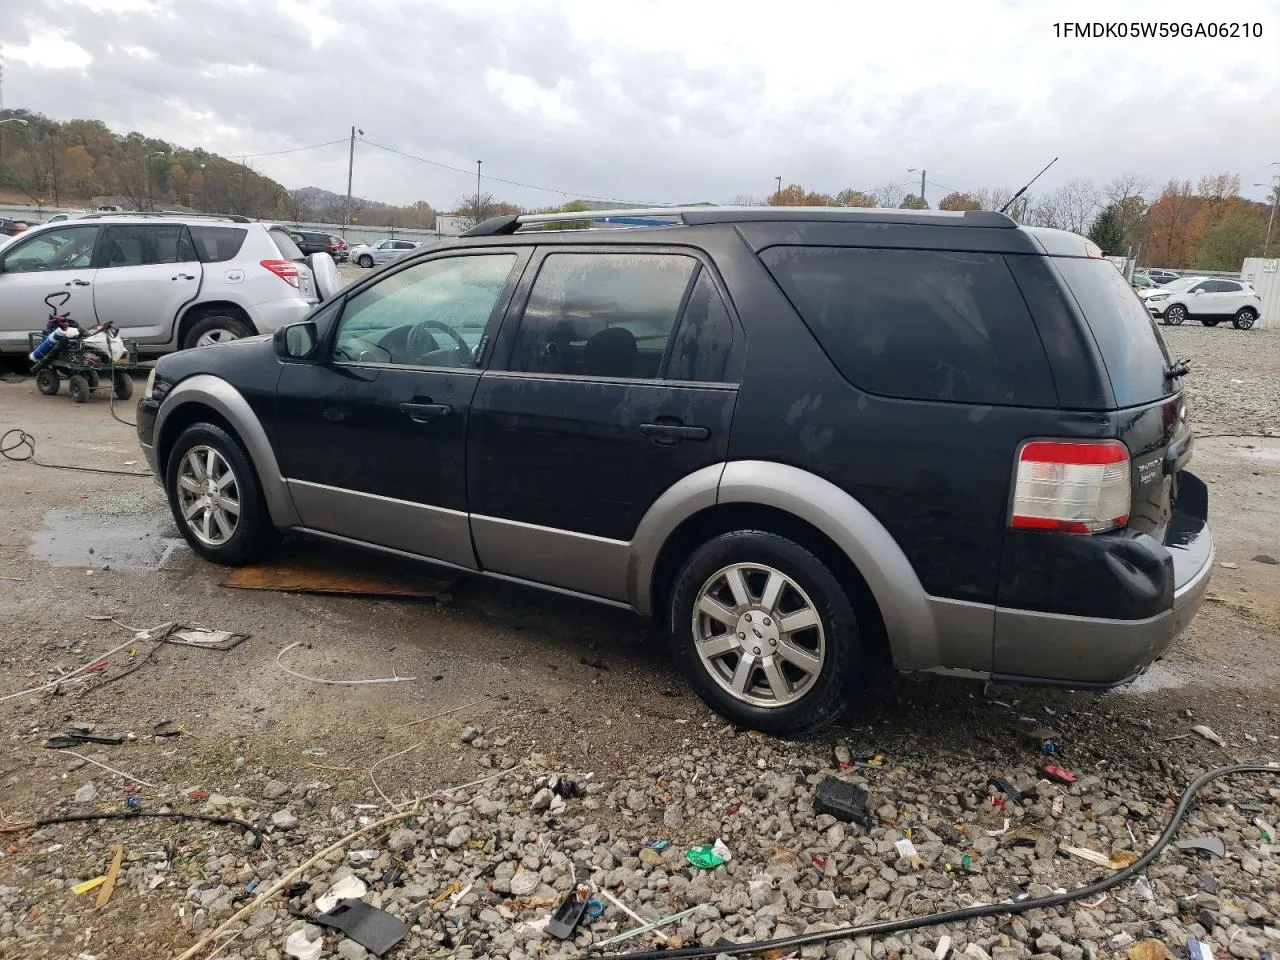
(123, 532)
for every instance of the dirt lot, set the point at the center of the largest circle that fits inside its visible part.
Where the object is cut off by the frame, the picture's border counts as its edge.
(558, 685)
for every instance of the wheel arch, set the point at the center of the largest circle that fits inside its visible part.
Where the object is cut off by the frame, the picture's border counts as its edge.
(206, 397)
(194, 312)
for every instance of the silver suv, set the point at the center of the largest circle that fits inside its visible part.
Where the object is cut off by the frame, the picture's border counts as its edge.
(171, 282)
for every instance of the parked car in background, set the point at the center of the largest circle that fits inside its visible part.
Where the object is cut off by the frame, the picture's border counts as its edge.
(1161, 277)
(170, 282)
(69, 215)
(988, 479)
(1141, 282)
(11, 228)
(1206, 299)
(310, 242)
(383, 251)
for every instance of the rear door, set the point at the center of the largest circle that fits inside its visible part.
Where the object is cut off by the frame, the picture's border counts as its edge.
(609, 384)
(1230, 296)
(56, 261)
(146, 273)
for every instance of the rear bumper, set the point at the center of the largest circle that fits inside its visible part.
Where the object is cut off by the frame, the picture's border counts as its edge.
(274, 314)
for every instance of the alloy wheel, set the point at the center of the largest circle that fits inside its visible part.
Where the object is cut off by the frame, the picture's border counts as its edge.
(209, 495)
(758, 634)
(216, 335)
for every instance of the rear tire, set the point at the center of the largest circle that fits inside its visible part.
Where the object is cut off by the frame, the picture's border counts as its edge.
(48, 382)
(245, 531)
(78, 385)
(122, 386)
(216, 327)
(802, 678)
(1245, 318)
(1175, 315)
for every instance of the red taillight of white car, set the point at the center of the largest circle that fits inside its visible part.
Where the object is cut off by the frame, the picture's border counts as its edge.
(286, 270)
(1071, 486)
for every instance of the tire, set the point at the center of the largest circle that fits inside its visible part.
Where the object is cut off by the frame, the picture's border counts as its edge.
(1245, 318)
(251, 531)
(216, 327)
(365, 261)
(1175, 315)
(1210, 323)
(122, 386)
(78, 386)
(813, 696)
(94, 380)
(48, 382)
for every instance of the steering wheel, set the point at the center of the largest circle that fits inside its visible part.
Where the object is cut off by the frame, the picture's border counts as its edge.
(419, 337)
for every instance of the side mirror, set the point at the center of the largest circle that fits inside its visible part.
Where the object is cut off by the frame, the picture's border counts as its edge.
(298, 341)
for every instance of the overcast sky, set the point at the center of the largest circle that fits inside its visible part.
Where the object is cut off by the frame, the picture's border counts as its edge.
(659, 100)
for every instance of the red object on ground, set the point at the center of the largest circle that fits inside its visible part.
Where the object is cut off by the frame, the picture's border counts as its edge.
(199, 795)
(100, 665)
(1059, 774)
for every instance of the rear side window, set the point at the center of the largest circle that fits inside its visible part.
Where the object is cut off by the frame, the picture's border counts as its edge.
(284, 243)
(700, 348)
(919, 324)
(216, 244)
(1128, 340)
(142, 245)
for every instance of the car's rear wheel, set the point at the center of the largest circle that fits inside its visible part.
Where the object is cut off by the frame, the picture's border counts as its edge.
(1245, 318)
(365, 261)
(215, 327)
(1175, 315)
(765, 633)
(215, 496)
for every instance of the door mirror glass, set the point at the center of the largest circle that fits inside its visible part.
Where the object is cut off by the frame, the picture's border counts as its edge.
(297, 341)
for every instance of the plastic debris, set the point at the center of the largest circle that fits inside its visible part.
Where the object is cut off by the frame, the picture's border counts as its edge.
(564, 922)
(843, 800)
(1208, 734)
(721, 850)
(1058, 774)
(297, 945)
(1210, 845)
(1059, 805)
(659, 844)
(1198, 949)
(1115, 862)
(375, 930)
(704, 857)
(1002, 831)
(907, 851)
(942, 949)
(349, 888)
(88, 885)
(1142, 889)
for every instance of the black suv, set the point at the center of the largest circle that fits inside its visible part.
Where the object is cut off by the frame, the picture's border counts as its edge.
(310, 242)
(794, 437)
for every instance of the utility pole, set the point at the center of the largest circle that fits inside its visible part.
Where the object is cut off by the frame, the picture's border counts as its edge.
(351, 162)
(477, 191)
(922, 185)
(1275, 201)
(779, 179)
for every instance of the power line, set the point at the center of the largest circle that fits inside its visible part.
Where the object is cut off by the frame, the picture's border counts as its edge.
(273, 153)
(512, 183)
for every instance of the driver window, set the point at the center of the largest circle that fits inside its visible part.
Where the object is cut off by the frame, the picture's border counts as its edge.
(432, 314)
(69, 248)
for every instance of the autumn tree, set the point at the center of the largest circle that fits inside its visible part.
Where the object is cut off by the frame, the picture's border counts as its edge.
(848, 197)
(78, 176)
(1107, 231)
(790, 196)
(959, 201)
(1169, 241)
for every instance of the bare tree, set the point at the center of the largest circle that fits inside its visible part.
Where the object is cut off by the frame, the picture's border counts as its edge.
(1125, 187)
(474, 208)
(1077, 203)
(746, 200)
(993, 198)
(889, 195)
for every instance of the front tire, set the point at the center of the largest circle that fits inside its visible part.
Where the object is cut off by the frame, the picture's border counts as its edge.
(215, 496)
(122, 386)
(216, 327)
(1245, 318)
(765, 633)
(78, 386)
(1175, 315)
(365, 261)
(47, 382)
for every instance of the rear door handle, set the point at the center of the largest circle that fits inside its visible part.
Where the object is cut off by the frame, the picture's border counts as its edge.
(78, 283)
(673, 432)
(185, 276)
(424, 412)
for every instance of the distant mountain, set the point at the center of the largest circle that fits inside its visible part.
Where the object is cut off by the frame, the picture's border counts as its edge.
(320, 198)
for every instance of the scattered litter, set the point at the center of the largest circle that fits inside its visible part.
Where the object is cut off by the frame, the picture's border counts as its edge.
(1005, 787)
(648, 926)
(298, 946)
(1058, 774)
(109, 881)
(645, 925)
(88, 885)
(721, 850)
(704, 857)
(1115, 862)
(74, 736)
(167, 728)
(313, 568)
(1002, 831)
(1208, 734)
(1059, 805)
(907, 851)
(52, 684)
(349, 888)
(198, 795)
(564, 922)
(1266, 558)
(658, 845)
(942, 949)
(1198, 949)
(1142, 889)
(395, 678)
(1210, 845)
(202, 637)
(843, 800)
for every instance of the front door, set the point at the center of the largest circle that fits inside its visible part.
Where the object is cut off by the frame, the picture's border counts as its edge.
(372, 439)
(57, 261)
(612, 386)
(146, 273)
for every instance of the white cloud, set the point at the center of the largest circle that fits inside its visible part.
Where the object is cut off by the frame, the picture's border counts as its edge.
(47, 50)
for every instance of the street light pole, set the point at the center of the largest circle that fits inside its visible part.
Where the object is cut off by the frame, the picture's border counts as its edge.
(150, 157)
(477, 191)
(1275, 201)
(779, 194)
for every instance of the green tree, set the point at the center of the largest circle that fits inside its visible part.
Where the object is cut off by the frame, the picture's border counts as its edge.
(573, 206)
(913, 201)
(1225, 243)
(849, 197)
(1108, 231)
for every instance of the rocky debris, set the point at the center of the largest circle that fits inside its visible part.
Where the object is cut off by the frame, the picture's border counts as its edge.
(274, 790)
(284, 819)
(87, 793)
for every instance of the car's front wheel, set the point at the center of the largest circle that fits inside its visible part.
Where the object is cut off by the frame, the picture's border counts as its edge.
(365, 261)
(765, 633)
(1176, 315)
(1245, 318)
(215, 496)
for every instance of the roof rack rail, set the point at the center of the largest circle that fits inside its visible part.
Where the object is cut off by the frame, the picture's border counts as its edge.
(232, 217)
(699, 215)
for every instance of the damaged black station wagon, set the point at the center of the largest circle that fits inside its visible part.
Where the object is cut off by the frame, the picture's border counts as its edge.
(794, 437)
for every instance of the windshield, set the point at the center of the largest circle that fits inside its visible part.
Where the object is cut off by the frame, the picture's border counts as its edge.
(1180, 284)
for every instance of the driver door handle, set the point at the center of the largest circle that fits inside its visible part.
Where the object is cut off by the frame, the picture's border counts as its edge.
(673, 431)
(425, 412)
(78, 283)
(184, 276)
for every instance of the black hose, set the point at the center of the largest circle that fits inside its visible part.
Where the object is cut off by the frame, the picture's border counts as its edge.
(159, 814)
(25, 442)
(962, 913)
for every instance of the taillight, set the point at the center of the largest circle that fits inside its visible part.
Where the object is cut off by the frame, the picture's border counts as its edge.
(286, 270)
(1071, 486)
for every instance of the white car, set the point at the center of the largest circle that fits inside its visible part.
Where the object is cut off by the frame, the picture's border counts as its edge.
(1206, 299)
(169, 282)
(381, 252)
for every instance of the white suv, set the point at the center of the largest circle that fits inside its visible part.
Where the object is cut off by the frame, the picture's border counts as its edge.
(1205, 299)
(171, 282)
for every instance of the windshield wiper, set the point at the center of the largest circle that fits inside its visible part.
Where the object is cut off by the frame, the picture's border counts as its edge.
(1179, 368)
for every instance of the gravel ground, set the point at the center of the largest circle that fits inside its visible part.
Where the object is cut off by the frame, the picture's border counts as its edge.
(1234, 385)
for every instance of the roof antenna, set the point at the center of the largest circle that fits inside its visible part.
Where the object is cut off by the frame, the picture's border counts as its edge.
(1029, 183)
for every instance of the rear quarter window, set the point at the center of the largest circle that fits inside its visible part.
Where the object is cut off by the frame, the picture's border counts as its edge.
(1132, 349)
(216, 244)
(918, 324)
(284, 243)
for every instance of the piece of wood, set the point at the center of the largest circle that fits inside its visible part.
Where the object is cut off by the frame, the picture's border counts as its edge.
(108, 885)
(328, 570)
